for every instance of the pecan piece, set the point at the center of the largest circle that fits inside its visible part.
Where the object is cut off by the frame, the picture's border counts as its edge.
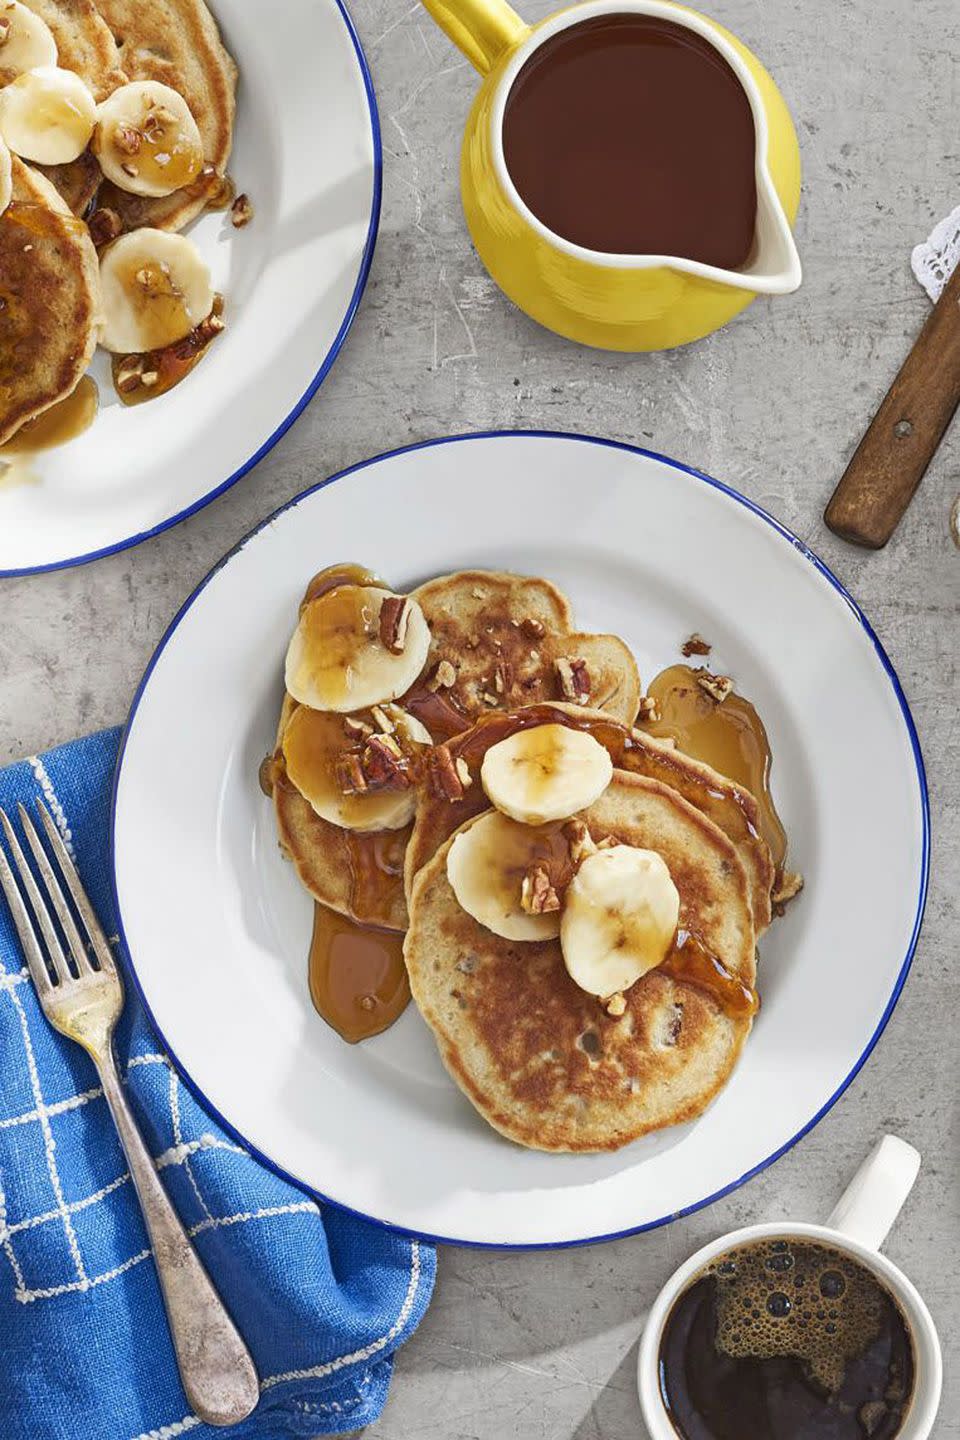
(649, 709)
(695, 645)
(533, 629)
(104, 225)
(718, 687)
(241, 212)
(127, 139)
(443, 677)
(787, 888)
(537, 894)
(445, 778)
(574, 679)
(616, 1006)
(350, 776)
(394, 619)
(383, 764)
(503, 677)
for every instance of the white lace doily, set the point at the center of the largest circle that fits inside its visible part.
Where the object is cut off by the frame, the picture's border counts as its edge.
(934, 261)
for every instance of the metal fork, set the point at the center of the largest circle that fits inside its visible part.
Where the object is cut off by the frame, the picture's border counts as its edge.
(216, 1369)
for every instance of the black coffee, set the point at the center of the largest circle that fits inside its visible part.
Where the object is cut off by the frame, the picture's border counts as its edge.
(786, 1340)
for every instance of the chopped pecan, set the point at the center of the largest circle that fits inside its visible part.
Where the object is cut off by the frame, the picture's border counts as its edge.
(579, 839)
(350, 776)
(384, 724)
(463, 771)
(104, 225)
(574, 679)
(383, 764)
(695, 645)
(445, 779)
(394, 619)
(503, 677)
(616, 1006)
(443, 677)
(488, 698)
(787, 888)
(357, 727)
(533, 629)
(129, 372)
(649, 709)
(718, 687)
(127, 139)
(241, 212)
(537, 894)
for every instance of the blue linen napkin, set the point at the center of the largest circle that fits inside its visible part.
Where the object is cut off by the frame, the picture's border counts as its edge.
(322, 1299)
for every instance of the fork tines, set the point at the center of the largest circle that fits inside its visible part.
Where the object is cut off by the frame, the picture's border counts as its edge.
(87, 957)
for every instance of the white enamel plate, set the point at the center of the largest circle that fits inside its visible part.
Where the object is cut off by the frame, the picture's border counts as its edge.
(307, 152)
(218, 928)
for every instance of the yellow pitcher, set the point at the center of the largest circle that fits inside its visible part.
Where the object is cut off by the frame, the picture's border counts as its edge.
(618, 302)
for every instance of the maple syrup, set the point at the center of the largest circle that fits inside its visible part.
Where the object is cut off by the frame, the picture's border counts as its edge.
(690, 961)
(170, 364)
(336, 576)
(62, 422)
(358, 979)
(166, 156)
(437, 711)
(217, 191)
(729, 736)
(334, 630)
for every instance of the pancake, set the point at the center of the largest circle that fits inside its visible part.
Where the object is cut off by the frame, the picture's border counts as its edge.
(50, 286)
(77, 182)
(727, 805)
(538, 1057)
(476, 619)
(176, 42)
(505, 634)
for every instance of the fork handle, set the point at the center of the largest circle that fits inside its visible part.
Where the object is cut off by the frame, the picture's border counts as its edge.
(216, 1369)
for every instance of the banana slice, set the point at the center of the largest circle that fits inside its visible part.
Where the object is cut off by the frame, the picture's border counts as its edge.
(354, 647)
(26, 41)
(147, 140)
(47, 115)
(546, 773)
(487, 864)
(6, 177)
(317, 743)
(620, 916)
(155, 287)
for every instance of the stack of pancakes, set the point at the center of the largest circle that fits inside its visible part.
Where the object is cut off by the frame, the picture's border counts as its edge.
(51, 311)
(543, 1061)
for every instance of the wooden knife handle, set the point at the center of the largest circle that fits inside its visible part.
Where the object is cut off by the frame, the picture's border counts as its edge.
(890, 460)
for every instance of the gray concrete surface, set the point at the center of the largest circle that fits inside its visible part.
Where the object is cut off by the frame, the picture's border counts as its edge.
(543, 1345)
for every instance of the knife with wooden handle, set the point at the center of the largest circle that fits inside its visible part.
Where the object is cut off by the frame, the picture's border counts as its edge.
(890, 460)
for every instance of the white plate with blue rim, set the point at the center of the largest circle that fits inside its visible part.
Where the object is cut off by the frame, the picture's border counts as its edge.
(307, 152)
(217, 927)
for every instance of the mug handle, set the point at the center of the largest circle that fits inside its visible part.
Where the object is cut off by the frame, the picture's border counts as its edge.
(482, 29)
(875, 1196)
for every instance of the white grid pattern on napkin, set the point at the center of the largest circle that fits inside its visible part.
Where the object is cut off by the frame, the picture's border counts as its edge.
(178, 1154)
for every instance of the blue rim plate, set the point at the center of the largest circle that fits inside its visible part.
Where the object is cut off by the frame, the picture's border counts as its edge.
(468, 1186)
(293, 280)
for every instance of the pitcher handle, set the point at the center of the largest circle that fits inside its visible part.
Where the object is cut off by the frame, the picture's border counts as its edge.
(482, 29)
(875, 1196)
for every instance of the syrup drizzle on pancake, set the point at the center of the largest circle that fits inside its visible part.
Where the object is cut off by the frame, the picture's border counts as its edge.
(729, 736)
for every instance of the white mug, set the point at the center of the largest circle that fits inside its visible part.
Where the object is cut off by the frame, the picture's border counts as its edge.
(857, 1227)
